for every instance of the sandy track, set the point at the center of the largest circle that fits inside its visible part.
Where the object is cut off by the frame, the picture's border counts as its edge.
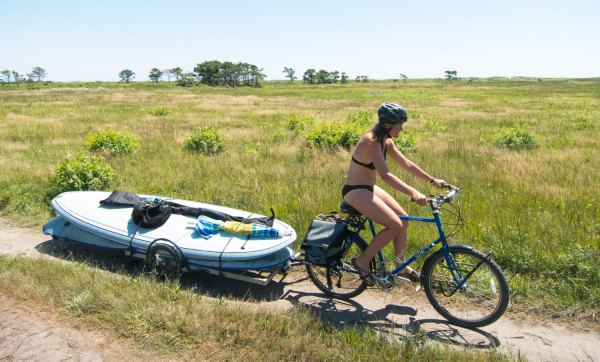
(35, 335)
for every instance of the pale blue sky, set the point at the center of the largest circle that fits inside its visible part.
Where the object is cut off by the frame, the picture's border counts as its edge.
(95, 40)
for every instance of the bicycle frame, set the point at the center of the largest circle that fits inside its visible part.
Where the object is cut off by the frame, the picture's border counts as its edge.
(462, 283)
(436, 219)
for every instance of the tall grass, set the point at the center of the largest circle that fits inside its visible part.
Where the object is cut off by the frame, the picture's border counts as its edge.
(178, 324)
(536, 209)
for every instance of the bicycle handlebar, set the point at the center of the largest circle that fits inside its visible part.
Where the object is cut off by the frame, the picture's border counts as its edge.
(454, 191)
(440, 199)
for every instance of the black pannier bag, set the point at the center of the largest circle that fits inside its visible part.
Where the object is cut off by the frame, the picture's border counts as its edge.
(324, 241)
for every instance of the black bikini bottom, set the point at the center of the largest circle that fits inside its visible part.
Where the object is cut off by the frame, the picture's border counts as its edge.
(348, 188)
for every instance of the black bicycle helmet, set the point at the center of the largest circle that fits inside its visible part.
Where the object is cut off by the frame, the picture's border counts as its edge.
(392, 112)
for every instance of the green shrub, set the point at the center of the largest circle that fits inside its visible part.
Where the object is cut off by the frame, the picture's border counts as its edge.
(159, 111)
(340, 133)
(349, 136)
(334, 134)
(111, 141)
(296, 122)
(406, 142)
(364, 118)
(515, 139)
(82, 173)
(205, 139)
(323, 135)
(347, 133)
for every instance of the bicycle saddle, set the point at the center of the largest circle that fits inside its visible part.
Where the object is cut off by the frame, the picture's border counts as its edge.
(349, 209)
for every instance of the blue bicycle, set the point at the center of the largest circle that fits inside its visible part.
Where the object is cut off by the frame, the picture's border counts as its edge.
(464, 285)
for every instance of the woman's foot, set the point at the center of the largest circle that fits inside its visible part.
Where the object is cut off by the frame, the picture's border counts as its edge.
(406, 272)
(365, 274)
(410, 274)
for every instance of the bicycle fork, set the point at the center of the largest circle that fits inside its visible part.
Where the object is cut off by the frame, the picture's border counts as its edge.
(459, 280)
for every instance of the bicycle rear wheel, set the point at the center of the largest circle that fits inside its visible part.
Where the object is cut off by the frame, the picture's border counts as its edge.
(479, 300)
(340, 280)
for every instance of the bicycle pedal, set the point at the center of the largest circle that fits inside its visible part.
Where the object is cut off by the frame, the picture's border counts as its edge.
(402, 279)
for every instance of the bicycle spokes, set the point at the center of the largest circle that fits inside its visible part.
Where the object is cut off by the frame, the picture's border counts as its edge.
(461, 272)
(468, 289)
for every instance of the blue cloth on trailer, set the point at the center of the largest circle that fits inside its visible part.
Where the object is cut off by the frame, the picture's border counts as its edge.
(207, 227)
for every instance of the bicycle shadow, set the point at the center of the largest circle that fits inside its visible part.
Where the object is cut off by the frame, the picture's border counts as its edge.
(394, 321)
(446, 332)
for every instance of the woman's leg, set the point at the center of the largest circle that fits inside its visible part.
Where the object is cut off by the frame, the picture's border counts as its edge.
(377, 210)
(400, 239)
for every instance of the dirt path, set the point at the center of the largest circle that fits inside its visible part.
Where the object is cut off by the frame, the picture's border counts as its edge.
(35, 335)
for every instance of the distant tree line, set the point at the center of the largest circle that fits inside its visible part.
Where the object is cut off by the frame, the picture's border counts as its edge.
(311, 76)
(229, 74)
(214, 73)
(11, 76)
(211, 73)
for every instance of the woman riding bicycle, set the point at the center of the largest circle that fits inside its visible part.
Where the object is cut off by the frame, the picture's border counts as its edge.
(360, 191)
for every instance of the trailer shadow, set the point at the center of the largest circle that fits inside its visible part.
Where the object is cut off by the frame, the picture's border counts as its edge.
(391, 321)
(202, 283)
(215, 286)
(112, 261)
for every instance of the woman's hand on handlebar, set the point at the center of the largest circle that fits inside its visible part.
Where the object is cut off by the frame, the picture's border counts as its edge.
(438, 182)
(419, 198)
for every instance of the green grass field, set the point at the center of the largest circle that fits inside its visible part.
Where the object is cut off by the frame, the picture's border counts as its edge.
(178, 323)
(536, 209)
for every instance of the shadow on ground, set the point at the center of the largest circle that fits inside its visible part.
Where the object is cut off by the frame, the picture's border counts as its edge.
(392, 321)
(113, 261)
(201, 282)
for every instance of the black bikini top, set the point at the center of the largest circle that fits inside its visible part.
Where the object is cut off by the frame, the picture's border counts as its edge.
(371, 166)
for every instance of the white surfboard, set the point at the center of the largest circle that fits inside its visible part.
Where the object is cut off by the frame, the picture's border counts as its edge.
(114, 227)
(60, 228)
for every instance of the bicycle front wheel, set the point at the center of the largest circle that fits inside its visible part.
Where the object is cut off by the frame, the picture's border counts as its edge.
(469, 290)
(340, 280)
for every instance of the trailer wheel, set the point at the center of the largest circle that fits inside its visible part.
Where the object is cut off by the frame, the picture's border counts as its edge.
(164, 261)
